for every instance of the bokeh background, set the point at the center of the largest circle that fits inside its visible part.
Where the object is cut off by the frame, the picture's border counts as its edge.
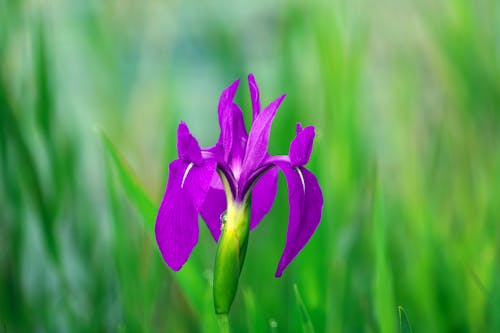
(405, 97)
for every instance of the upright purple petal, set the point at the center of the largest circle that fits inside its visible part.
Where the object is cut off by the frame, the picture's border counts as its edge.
(187, 146)
(240, 138)
(306, 203)
(298, 128)
(213, 207)
(226, 117)
(258, 138)
(301, 146)
(263, 195)
(254, 95)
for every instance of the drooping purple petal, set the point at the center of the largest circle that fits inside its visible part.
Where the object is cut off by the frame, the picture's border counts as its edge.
(226, 117)
(187, 146)
(254, 95)
(176, 227)
(258, 138)
(306, 203)
(213, 207)
(263, 195)
(301, 146)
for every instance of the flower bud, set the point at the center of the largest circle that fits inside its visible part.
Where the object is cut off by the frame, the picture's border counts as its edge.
(230, 254)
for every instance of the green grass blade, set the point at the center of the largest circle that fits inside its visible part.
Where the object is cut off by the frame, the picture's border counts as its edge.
(131, 184)
(404, 324)
(255, 320)
(383, 290)
(189, 279)
(307, 326)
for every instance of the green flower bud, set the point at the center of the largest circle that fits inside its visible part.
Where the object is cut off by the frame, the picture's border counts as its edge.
(231, 252)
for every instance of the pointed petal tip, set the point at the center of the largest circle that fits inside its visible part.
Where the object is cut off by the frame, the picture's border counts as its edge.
(254, 95)
(298, 128)
(235, 84)
(174, 256)
(279, 100)
(228, 94)
(182, 126)
(175, 267)
(274, 105)
(187, 145)
(254, 88)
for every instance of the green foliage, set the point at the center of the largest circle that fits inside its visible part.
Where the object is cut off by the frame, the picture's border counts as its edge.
(404, 324)
(405, 97)
(307, 325)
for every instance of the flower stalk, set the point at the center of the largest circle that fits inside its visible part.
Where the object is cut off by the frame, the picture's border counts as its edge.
(223, 322)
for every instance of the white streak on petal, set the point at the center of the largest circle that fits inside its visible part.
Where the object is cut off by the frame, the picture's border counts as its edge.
(187, 171)
(301, 179)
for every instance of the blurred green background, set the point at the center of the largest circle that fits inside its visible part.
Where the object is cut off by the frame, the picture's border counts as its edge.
(405, 97)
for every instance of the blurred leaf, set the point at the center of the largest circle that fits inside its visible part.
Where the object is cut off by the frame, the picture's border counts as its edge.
(189, 279)
(404, 325)
(383, 278)
(25, 164)
(131, 184)
(307, 326)
(255, 322)
(44, 102)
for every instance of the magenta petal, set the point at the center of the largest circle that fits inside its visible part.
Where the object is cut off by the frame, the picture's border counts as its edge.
(306, 203)
(187, 146)
(301, 146)
(239, 138)
(226, 116)
(176, 227)
(263, 195)
(254, 95)
(212, 209)
(215, 153)
(258, 138)
(197, 181)
(298, 128)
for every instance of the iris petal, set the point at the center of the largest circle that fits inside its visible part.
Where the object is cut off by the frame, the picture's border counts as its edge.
(239, 138)
(226, 117)
(176, 227)
(263, 195)
(214, 206)
(197, 182)
(306, 204)
(254, 95)
(258, 139)
(301, 146)
(187, 146)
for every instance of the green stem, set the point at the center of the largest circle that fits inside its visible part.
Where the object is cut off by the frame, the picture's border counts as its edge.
(223, 321)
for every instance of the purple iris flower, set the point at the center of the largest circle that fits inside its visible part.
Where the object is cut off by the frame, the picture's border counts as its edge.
(237, 168)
